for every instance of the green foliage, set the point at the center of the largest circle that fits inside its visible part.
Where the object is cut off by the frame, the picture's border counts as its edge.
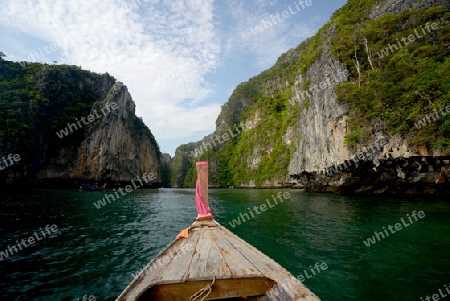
(191, 176)
(140, 129)
(263, 143)
(39, 100)
(244, 94)
(224, 177)
(182, 163)
(407, 83)
(165, 174)
(402, 87)
(352, 139)
(306, 105)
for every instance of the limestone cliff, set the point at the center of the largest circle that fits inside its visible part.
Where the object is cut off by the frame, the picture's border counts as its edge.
(80, 127)
(118, 147)
(349, 100)
(323, 161)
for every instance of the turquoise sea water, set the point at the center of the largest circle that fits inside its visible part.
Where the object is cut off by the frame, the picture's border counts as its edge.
(96, 251)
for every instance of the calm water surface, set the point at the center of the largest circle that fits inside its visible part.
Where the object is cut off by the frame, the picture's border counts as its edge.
(96, 251)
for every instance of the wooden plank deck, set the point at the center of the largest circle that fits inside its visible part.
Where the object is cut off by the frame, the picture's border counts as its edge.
(214, 251)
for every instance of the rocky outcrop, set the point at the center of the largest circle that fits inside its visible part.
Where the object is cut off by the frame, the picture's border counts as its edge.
(397, 167)
(318, 134)
(316, 123)
(108, 144)
(181, 163)
(166, 169)
(421, 175)
(398, 6)
(114, 149)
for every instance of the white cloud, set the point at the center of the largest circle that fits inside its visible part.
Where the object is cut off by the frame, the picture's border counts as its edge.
(266, 3)
(160, 50)
(268, 44)
(183, 121)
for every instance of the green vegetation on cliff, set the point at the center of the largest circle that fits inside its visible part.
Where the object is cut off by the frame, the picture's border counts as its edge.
(388, 88)
(400, 82)
(39, 100)
(274, 158)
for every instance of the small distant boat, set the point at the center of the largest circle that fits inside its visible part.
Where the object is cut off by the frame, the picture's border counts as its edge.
(208, 262)
(92, 187)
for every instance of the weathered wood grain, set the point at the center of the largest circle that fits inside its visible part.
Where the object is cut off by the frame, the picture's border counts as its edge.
(208, 260)
(240, 269)
(178, 269)
(223, 288)
(237, 263)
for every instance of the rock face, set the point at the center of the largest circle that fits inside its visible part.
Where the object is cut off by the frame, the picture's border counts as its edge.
(398, 167)
(312, 129)
(318, 134)
(180, 165)
(166, 169)
(397, 6)
(420, 175)
(107, 143)
(116, 148)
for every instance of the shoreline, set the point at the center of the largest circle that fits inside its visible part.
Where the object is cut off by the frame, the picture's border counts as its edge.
(326, 190)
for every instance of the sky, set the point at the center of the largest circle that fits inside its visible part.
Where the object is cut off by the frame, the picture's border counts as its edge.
(180, 59)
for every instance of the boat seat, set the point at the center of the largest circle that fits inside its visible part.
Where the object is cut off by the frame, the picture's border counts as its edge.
(251, 288)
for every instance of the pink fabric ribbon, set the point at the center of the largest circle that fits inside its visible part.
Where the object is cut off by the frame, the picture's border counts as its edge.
(202, 209)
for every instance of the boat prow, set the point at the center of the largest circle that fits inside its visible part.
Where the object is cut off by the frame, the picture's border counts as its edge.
(215, 264)
(208, 262)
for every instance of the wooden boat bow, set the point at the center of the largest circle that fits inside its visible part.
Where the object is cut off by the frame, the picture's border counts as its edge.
(212, 256)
